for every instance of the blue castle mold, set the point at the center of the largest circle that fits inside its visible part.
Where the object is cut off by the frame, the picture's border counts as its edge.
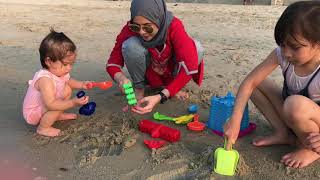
(221, 110)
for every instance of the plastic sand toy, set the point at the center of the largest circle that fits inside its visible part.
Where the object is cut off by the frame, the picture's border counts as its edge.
(88, 108)
(220, 112)
(183, 119)
(154, 144)
(178, 120)
(193, 108)
(131, 97)
(159, 131)
(196, 125)
(225, 161)
(160, 117)
(102, 85)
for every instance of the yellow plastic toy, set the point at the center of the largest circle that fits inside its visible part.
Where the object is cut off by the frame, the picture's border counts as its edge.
(183, 119)
(225, 161)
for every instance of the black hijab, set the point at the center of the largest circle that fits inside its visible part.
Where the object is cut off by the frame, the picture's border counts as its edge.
(156, 12)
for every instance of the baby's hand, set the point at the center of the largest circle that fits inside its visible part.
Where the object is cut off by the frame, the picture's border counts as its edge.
(80, 101)
(85, 84)
(313, 142)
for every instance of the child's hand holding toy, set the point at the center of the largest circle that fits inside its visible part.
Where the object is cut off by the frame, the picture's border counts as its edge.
(231, 132)
(80, 101)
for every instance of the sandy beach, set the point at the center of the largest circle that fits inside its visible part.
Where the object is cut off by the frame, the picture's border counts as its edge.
(108, 145)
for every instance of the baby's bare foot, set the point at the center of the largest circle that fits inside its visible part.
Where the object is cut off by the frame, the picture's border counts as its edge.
(299, 159)
(50, 131)
(67, 116)
(276, 138)
(182, 95)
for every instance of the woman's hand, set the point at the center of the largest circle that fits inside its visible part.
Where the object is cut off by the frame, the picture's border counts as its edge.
(146, 104)
(231, 132)
(313, 142)
(121, 79)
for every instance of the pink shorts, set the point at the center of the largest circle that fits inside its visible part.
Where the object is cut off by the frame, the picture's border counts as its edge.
(33, 116)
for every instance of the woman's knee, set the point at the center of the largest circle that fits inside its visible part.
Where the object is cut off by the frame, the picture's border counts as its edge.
(133, 51)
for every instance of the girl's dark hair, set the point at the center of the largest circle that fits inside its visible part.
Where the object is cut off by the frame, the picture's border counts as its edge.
(299, 19)
(55, 46)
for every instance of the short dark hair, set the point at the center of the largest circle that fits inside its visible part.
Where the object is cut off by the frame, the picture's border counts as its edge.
(55, 46)
(299, 19)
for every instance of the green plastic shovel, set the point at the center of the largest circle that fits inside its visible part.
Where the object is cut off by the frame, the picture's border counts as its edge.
(160, 117)
(225, 161)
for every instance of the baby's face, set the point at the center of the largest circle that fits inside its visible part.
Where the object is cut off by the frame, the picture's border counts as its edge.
(63, 66)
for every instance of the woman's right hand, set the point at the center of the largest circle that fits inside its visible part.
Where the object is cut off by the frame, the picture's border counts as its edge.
(121, 79)
(80, 101)
(231, 132)
(122, 82)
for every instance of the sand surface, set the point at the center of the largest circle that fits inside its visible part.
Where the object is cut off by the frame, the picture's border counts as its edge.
(108, 145)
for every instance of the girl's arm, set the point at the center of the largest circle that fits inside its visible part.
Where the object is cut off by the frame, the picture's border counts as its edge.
(246, 88)
(47, 91)
(75, 84)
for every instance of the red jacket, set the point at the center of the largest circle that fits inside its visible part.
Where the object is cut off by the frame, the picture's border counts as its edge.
(160, 72)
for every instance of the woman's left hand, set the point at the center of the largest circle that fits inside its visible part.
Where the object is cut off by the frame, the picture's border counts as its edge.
(146, 104)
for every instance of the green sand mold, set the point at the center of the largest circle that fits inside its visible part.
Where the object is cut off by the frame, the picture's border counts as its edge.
(131, 97)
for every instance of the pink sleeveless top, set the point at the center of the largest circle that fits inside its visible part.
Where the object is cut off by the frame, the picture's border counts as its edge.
(33, 99)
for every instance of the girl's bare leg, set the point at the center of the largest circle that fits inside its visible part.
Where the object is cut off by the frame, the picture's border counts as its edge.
(303, 116)
(267, 98)
(45, 127)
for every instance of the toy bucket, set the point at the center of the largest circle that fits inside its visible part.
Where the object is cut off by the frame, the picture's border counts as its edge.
(225, 161)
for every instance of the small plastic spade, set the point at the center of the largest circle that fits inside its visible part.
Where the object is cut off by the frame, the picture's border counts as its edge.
(160, 117)
(102, 85)
(183, 119)
(225, 161)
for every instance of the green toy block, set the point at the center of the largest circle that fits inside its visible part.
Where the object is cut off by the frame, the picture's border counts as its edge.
(128, 90)
(132, 102)
(127, 86)
(131, 96)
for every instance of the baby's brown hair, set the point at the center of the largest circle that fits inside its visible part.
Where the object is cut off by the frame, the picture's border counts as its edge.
(55, 46)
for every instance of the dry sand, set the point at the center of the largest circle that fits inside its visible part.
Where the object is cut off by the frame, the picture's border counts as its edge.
(107, 145)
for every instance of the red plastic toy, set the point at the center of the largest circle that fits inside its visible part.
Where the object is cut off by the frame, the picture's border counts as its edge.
(102, 85)
(159, 130)
(196, 125)
(154, 144)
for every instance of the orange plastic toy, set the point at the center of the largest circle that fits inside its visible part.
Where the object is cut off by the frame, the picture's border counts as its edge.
(102, 85)
(196, 125)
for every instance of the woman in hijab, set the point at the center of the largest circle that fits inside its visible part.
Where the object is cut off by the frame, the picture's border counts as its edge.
(156, 51)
